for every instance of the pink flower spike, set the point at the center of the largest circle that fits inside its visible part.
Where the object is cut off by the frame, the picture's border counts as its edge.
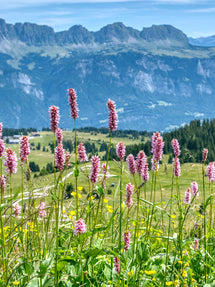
(1, 148)
(120, 150)
(126, 240)
(196, 244)
(59, 135)
(24, 148)
(17, 209)
(131, 164)
(145, 175)
(42, 212)
(129, 189)
(54, 118)
(73, 103)
(117, 264)
(112, 115)
(82, 156)
(11, 161)
(80, 227)
(176, 166)
(67, 159)
(210, 172)
(194, 187)
(1, 126)
(95, 168)
(204, 154)
(2, 183)
(187, 197)
(176, 147)
(140, 162)
(59, 157)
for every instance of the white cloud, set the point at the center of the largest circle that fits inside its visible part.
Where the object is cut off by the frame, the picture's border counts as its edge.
(203, 10)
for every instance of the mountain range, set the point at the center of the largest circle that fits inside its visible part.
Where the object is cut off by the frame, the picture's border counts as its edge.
(157, 78)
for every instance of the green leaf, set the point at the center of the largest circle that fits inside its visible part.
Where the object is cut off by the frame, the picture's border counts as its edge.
(44, 265)
(93, 252)
(76, 172)
(29, 268)
(101, 191)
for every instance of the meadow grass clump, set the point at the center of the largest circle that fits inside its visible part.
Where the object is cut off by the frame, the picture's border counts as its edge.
(136, 233)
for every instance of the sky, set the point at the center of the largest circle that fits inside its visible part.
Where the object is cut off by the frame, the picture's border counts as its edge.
(196, 18)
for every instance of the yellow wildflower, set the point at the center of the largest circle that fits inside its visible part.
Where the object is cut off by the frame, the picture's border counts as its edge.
(169, 283)
(16, 282)
(150, 272)
(72, 212)
(80, 188)
(173, 216)
(130, 273)
(105, 200)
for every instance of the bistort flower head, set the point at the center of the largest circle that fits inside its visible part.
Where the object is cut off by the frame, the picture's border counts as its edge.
(80, 227)
(59, 157)
(204, 154)
(176, 147)
(112, 115)
(1, 147)
(116, 264)
(131, 164)
(145, 175)
(194, 187)
(187, 196)
(82, 156)
(17, 209)
(196, 244)
(129, 192)
(59, 135)
(10, 161)
(42, 212)
(126, 240)
(120, 150)
(176, 166)
(2, 183)
(54, 118)
(95, 168)
(157, 146)
(24, 149)
(73, 103)
(67, 159)
(210, 172)
(140, 162)
(1, 126)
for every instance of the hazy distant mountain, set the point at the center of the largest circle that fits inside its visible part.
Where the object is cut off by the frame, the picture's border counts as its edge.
(157, 79)
(203, 41)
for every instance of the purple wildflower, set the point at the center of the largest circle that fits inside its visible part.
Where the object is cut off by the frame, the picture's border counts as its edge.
(11, 161)
(59, 157)
(42, 212)
(112, 115)
(120, 150)
(140, 162)
(157, 146)
(1, 126)
(210, 172)
(24, 149)
(129, 189)
(95, 168)
(1, 148)
(117, 264)
(176, 166)
(145, 175)
(2, 183)
(187, 196)
(59, 135)
(82, 156)
(17, 209)
(176, 148)
(204, 154)
(73, 103)
(126, 240)
(80, 227)
(194, 187)
(131, 163)
(54, 117)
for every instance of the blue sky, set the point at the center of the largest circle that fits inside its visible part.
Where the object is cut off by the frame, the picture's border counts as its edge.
(194, 17)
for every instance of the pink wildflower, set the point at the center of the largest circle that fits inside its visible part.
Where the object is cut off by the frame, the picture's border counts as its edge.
(140, 162)
(176, 148)
(54, 117)
(157, 146)
(117, 264)
(2, 183)
(1, 148)
(17, 209)
(204, 154)
(67, 159)
(145, 175)
(80, 227)
(194, 187)
(42, 212)
(73, 103)
(196, 244)
(11, 161)
(59, 157)
(82, 156)
(129, 189)
(210, 172)
(59, 135)
(120, 150)
(187, 196)
(126, 240)
(131, 163)
(24, 148)
(176, 166)
(112, 115)
(155, 164)
(95, 168)
(1, 126)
